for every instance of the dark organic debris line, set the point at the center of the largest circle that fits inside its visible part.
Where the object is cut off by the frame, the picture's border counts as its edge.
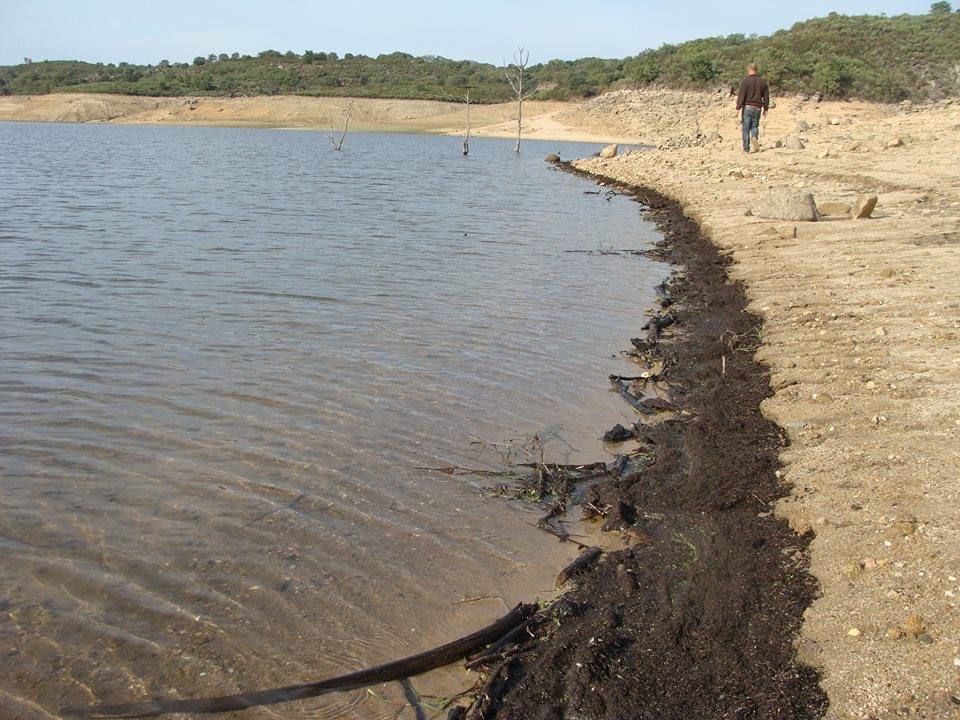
(388, 672)
(706, 576)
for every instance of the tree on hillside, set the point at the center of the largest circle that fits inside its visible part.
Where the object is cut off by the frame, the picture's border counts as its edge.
(940, 8)
(199, 60)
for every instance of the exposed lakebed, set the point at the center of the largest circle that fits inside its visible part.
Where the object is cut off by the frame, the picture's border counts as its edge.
(226, 356)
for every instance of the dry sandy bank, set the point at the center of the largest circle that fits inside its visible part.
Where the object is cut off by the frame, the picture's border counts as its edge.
(862, 334)
(294, 111)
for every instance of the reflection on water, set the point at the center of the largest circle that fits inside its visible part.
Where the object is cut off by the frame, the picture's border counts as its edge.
(224, 356)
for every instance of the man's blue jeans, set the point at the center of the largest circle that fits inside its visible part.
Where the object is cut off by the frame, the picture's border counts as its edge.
(751, 125)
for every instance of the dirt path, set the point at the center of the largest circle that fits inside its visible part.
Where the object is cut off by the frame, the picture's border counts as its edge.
(861, 330)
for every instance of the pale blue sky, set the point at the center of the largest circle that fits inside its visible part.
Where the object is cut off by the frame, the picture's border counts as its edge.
(179, 30)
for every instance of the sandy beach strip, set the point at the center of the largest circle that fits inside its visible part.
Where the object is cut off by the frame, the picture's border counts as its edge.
(861, 330)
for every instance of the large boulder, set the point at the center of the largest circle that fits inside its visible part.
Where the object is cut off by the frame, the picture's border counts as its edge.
(864, 206)
(609, 151)
(786, 205)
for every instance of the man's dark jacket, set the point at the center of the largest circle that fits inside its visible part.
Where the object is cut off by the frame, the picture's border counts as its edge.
(753, 92)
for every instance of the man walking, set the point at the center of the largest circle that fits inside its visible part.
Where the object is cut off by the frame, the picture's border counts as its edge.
(752, 101)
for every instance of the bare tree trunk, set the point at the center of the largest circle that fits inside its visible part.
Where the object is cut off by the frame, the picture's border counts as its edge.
(515, 76)
(466, 136)
(347, 112)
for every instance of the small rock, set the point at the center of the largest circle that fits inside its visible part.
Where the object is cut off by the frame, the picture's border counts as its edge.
(802, 126)
(552, 158)
(888, 272)
(914, 626)
(865, 206)
(854, 632)
(902, 528)
(895, 142)
(617, 435)
(833, 208)
(794, 143)
(610, 151)
(834, 121)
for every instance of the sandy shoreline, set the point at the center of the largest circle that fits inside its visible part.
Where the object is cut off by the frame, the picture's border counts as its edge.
(862, 335)
(543, 120)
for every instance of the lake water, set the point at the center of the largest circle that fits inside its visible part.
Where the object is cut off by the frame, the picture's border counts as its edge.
(225, 355)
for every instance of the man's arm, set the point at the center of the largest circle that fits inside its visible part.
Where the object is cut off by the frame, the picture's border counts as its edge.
(741, 95)
(766, 98)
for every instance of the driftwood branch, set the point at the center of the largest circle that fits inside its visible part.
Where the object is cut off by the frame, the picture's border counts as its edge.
(587, 557)
(389, 672)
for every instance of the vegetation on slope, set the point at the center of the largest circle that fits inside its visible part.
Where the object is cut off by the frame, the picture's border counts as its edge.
(873, 57)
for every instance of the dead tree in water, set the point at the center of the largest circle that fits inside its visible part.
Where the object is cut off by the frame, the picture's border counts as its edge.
(515, 76)
(347, 112)
(466, 135)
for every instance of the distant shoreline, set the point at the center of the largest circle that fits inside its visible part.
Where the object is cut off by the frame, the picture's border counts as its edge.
(305, 113)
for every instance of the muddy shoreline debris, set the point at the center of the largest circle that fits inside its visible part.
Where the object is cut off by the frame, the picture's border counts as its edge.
(696, 619)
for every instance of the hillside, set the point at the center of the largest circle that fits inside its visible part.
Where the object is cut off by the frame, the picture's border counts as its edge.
(870, 57)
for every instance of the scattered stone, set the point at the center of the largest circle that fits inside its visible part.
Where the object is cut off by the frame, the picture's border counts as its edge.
(854, 632)
(794, 143)
(902, 528)
(788, 233)
(834, 121)
(610, 151)
(865, 206)
(852, 147)
(888, 272)
(802, 126)
(906, 106)
(787, 205)
(914, 626)
(552, 158)
(736, 174)
(833, 208)
(895, 142)
(778, 143)
(618, 434)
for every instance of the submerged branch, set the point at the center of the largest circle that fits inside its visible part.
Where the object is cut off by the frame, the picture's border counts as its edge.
(396, 670)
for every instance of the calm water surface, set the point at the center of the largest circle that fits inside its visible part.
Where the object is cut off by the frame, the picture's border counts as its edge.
(224, 355)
